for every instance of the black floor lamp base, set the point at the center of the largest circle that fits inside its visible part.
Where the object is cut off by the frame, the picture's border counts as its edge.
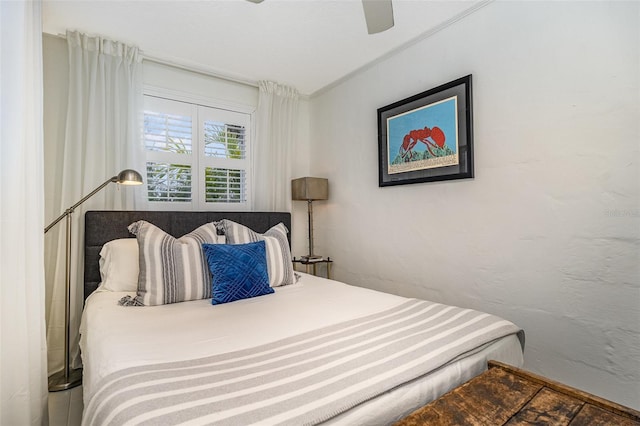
(60, 382)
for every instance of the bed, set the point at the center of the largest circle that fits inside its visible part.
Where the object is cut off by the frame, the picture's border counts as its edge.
(309, 352)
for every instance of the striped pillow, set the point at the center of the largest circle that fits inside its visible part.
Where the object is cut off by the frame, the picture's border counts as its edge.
(279, 262)
(172, 270)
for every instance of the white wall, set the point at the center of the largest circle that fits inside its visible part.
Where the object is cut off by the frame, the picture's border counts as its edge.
(199, 85)
(548, 233)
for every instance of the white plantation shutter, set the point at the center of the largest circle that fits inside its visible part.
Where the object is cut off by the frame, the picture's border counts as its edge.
(225, 159)
(197, 156)
(169, 127)
(225, 185)
(224, 140)
(167, 132)
(169, 182)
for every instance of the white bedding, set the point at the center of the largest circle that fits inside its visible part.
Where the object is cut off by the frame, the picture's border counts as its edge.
(115, 337)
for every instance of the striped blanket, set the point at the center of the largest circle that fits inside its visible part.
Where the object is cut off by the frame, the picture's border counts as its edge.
(304, 379)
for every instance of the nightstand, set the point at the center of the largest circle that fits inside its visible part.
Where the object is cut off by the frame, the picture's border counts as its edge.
(311, 265)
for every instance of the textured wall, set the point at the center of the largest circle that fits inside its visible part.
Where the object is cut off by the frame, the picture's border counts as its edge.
(548, 233)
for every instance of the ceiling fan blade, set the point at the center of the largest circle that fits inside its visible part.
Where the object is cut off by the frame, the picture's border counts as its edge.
(378, 14)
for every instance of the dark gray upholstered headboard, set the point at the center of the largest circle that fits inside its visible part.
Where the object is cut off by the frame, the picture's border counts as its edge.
(104, 226)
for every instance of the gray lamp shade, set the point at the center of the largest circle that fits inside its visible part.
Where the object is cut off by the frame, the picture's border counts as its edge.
(310, 188)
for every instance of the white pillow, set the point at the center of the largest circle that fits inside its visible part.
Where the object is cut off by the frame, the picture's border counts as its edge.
(119, 265)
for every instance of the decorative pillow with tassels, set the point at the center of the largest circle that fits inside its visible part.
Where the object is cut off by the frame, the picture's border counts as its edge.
(277, 245)
(171, 269)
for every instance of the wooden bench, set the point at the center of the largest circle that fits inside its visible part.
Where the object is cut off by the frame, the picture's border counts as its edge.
(505, 395)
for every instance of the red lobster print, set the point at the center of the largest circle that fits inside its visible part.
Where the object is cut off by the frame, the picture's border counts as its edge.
(422, 135)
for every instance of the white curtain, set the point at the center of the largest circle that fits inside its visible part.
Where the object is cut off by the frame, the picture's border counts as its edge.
(23, 372)
(276, 130)
(102, 138)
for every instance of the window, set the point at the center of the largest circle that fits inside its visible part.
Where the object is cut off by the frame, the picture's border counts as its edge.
(197, 157)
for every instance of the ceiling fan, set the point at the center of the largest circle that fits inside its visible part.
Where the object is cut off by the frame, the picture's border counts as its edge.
(377, 13)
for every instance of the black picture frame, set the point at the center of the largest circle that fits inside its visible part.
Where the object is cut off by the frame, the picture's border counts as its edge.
(446, 114)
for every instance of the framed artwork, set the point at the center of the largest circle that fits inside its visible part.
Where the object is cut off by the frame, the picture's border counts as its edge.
(427, 137)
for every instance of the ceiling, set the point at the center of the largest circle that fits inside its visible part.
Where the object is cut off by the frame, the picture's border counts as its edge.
(308, 44)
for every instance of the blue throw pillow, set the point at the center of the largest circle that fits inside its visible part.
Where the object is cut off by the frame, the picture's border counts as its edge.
(239, 271)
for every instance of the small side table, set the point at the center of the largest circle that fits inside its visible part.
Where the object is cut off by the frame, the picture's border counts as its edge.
(311, 265)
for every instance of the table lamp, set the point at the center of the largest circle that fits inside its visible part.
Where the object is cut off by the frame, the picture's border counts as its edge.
(310, 189)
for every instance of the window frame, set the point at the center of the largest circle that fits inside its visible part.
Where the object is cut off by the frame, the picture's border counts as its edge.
(198, 160)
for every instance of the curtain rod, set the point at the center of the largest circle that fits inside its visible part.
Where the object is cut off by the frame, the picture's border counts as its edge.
(190, 68)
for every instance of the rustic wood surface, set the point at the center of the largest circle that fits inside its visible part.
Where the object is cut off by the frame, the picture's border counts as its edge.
(505, 395)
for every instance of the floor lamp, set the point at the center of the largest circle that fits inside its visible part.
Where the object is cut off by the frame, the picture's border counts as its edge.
(310, 189)
(68, 378)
